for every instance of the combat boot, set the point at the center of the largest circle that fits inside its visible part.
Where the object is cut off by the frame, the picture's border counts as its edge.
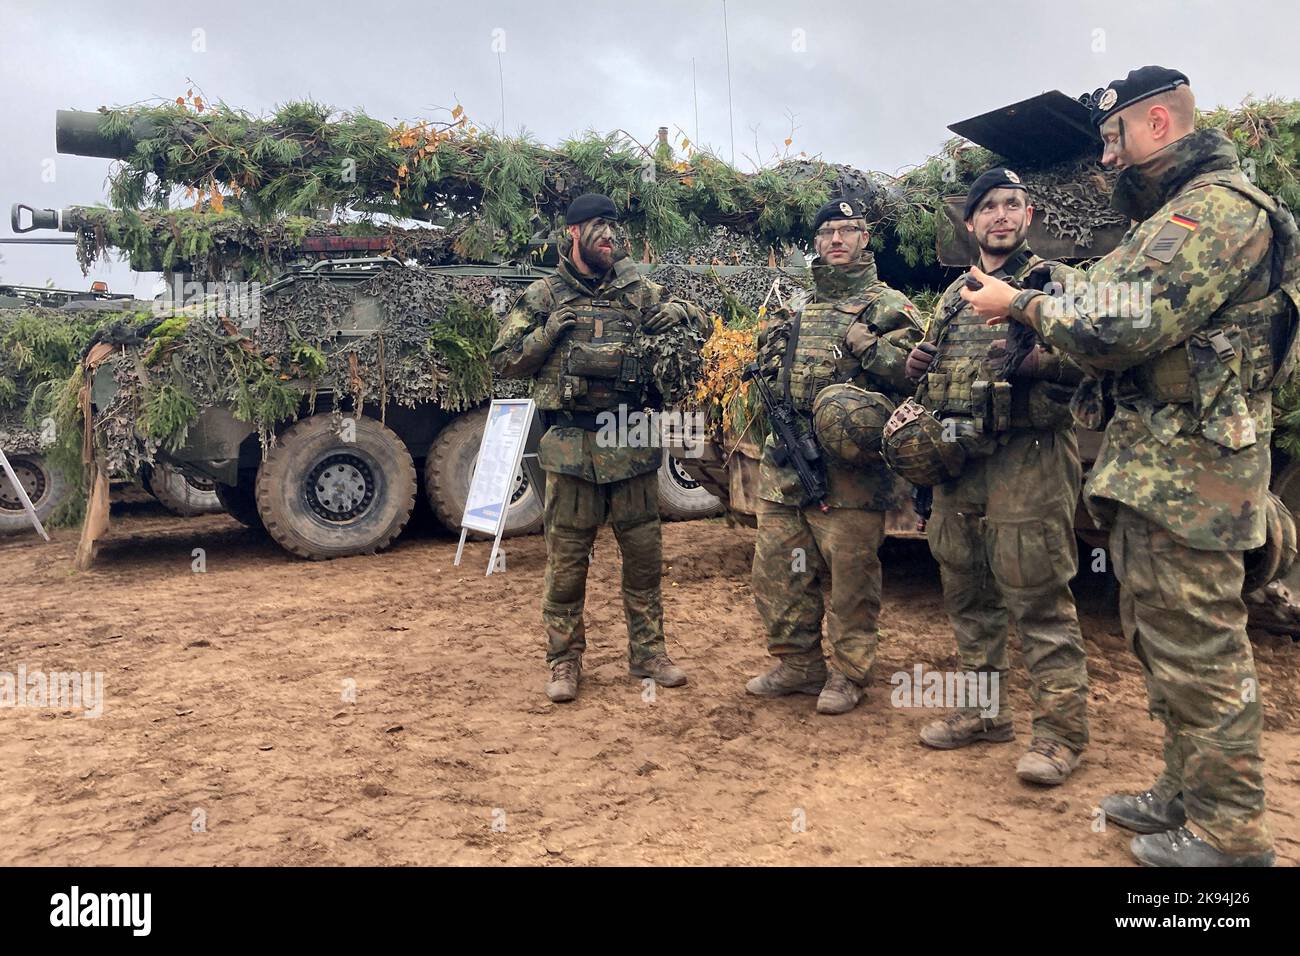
(839, 695)
(1047, 762)
(661, 670)
(1145, 812)
(785, 678)
(1182, 847)
(564, 680)
(961, 730)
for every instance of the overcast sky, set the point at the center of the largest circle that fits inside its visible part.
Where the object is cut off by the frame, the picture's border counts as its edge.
(872, 84)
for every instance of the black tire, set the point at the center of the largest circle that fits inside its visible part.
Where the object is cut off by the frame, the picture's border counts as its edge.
(240, 501)
(322, 497)
(179, 492)
(449, 468)
(45, 486)
(681, 497)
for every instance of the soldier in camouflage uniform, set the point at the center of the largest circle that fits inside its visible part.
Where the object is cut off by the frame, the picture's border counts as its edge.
(1182, 477)
(574, 334)
(856, 330)
(1003, 530)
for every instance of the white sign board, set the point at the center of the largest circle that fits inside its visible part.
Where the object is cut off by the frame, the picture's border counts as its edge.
(500, 454)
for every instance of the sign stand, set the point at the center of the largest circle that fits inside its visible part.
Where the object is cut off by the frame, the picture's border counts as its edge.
(510, 426)
(22, 495)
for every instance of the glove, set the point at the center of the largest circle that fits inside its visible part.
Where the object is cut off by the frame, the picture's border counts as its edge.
(557, 323)
(859, 338)
(664, 316)
(1028, 367)
(918, 361)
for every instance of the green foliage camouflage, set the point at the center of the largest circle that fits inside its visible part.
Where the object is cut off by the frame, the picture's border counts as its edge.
(430, 347)
(495, 193)
(40, 352)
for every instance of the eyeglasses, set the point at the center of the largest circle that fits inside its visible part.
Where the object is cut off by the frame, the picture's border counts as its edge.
(847, 231)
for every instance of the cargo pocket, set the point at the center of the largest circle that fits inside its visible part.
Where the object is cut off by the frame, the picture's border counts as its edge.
(1026, 554)
(1145, 567)
(954, 541)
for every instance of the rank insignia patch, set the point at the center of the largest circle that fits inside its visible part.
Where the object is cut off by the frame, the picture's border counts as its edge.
(1164, 245)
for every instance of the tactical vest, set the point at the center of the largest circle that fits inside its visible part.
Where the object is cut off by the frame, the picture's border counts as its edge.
(820, 356)
(594, 366)
(1254, 341)
(962, 381)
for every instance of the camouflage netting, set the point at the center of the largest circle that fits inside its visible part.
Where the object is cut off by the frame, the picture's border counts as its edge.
(216, 246)
(431, 347)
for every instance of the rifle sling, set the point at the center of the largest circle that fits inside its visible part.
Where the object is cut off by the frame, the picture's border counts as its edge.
(791, 346)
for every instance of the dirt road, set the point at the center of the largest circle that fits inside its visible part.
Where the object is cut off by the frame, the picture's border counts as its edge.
(228, 737)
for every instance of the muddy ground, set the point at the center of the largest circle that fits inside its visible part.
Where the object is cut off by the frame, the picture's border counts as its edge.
(226, 737)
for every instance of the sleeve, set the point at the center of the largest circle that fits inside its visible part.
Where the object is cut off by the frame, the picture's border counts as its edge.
(898, 325)
(1176, 270)
(521, 346)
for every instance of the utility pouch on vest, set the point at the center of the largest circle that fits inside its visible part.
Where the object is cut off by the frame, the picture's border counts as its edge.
(597, 361)
(572, 388)
(979, 405)
(1000, 406)
(1218, 400)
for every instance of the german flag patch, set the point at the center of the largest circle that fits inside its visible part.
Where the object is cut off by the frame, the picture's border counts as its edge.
(1164, 245)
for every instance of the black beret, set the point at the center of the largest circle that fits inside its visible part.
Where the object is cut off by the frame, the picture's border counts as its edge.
(998, 177)
(1137, 86)
(589, 206)
(842, 207)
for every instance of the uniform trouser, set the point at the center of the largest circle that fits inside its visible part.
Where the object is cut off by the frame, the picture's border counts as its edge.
(1003, 534)
(1182, 612)
(797, 551)
(574, 511)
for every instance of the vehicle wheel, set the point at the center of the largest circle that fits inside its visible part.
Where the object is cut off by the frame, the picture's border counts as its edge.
(449, 469)
(180, 492)
(240, 501)
(681, 497)
(322, 497)
(45, 486)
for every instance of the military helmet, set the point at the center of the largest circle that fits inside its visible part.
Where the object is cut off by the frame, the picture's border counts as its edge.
(1273, 559)
(848, 422)
(914, 446)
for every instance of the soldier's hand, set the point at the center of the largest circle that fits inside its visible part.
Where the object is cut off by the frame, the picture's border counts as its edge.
(919, 359)
(1028, 366)
(557, 323)
(859, 338)
(664, 316)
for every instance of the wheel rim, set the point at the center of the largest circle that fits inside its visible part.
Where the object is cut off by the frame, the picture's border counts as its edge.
(340, 488)
(30, 477)
(679, 475)
(521, 487)
(203, 485)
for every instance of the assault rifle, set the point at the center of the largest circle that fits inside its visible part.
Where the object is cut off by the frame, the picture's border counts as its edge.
(794, 445)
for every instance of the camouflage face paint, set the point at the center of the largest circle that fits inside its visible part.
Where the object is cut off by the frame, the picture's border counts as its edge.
(597, 241)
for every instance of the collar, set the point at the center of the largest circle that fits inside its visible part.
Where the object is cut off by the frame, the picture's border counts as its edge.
(623, 272)
(839, 282)
(1143, 188)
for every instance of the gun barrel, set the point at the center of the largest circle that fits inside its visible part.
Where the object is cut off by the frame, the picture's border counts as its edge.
(77, 132)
